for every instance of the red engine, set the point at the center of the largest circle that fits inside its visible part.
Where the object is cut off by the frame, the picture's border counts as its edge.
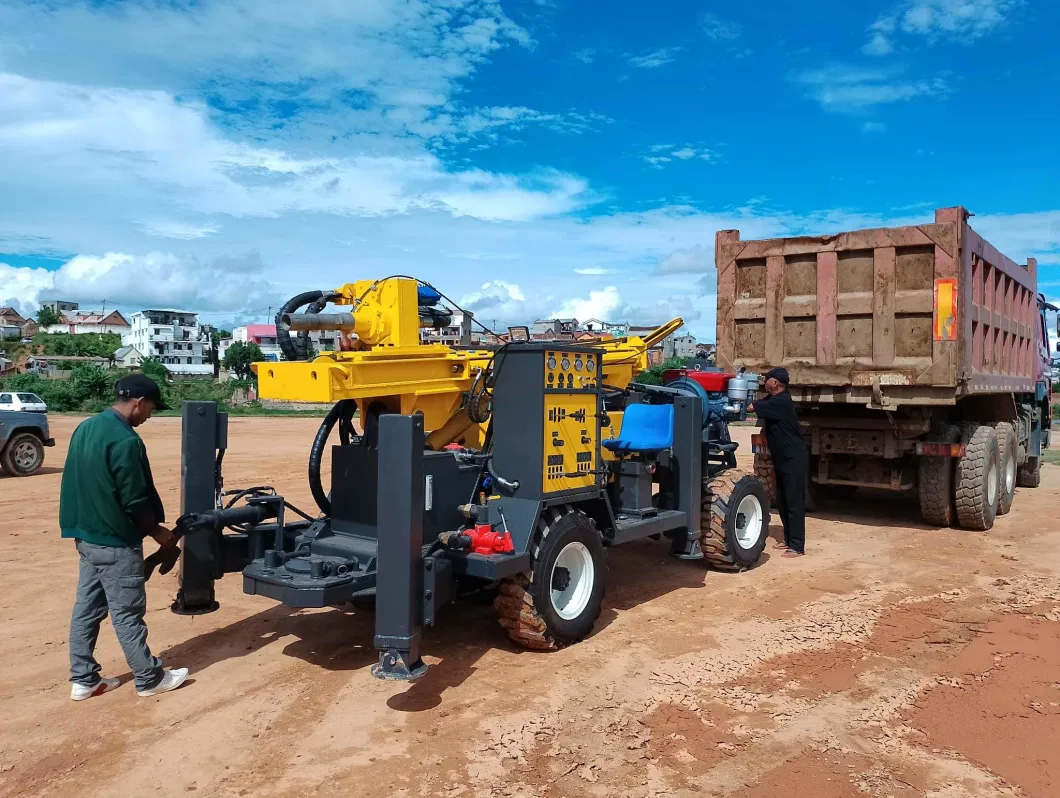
(710, 381)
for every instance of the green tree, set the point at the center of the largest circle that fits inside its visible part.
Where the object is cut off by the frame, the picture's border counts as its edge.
(89, 381)
(153, 368)
(239, 357)
(654, 375)
(46, 317)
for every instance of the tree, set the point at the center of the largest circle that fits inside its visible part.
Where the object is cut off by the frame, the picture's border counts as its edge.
(153, 368)
(654, 375)
(239, 357)
(46, 317)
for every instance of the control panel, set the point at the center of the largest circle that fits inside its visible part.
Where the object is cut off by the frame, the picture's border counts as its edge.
(572, 371)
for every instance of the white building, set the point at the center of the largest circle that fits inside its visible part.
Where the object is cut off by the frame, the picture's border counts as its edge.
(60, 306)
(458, 333)
(264, 335)
(128, 357)
(173, 336)
(82, 322)
(680, 346)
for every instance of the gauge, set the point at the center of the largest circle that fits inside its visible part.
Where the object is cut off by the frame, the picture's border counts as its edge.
(551, 361)
(577, 364)
(566, 364)
(590, 364)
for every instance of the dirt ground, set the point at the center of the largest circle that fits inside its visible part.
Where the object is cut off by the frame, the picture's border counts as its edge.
(894, 660)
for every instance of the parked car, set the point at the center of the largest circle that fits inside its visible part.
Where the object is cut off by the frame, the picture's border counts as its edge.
(23, 437)
(29, 402)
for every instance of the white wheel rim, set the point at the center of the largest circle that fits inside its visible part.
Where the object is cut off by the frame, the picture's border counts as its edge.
(1010, 474)
(25, 456)
(991, 484)
(748, 522)
(571, 601)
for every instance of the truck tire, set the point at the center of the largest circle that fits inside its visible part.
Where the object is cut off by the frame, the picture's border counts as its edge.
(558, 601)
(1029, 474)
(765, 471)
(978, 478)
(734, 524)
(935, 484)
(23, 455)
(1007, 448)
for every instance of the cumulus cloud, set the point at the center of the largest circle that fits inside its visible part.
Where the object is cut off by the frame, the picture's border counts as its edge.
(158, 279)
(963, 21)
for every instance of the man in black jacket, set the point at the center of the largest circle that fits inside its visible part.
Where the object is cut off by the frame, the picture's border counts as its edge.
(790, 459)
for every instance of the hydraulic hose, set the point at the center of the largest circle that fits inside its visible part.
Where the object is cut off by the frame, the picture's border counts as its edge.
(296, 349)
(316, 453)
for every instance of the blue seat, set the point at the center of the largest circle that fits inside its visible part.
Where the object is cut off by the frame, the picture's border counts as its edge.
(645, 428)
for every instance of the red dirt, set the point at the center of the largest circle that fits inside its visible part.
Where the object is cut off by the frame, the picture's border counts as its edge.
(874, 626)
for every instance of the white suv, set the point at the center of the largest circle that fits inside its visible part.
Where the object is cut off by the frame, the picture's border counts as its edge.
(29, 402)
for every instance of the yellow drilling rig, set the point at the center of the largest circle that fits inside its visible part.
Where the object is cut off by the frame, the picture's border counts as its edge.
(510, 469)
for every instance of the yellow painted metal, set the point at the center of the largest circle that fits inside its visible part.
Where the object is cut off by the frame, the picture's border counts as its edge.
(570, 441)
(390, 369)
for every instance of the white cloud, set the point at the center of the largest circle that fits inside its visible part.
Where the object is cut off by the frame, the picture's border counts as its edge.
(595, 271)
(697, 260)
(149, 156)
(373, 66)
(655, 58)
(847, 88)
(603, 304)
(661, 154)
(586, 55)
(718, 29)
(963, 21)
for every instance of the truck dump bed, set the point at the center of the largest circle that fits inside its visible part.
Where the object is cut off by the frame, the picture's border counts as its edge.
(923, 314)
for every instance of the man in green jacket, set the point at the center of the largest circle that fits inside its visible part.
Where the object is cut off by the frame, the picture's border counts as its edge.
(108, 504)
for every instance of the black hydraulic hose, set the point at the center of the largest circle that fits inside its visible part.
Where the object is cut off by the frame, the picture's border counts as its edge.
(316, 454)
(292, 349)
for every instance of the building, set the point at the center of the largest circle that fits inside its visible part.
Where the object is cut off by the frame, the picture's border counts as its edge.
(58, 366)
(29, 329)
(81, 322)
(458, 333)
(600, 327)
(682, 346)
(60, 306)
(173, 336)
(11, 322)
(554, 329)
(128, 357)
(264, 335)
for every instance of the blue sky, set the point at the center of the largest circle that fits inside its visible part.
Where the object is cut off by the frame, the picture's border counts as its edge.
(531, 158)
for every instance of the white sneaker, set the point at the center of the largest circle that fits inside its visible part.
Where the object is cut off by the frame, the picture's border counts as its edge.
(79, 692)
(170, 681)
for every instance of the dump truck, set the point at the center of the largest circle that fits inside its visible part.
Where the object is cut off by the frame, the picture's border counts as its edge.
(919, 360)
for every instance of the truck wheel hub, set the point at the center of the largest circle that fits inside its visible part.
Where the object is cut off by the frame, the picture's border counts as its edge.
(25, 455)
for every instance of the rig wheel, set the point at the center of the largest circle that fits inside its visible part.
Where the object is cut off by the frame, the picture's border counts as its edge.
(735, 520)
(558, 601)
(1007, 446)
(765, 471)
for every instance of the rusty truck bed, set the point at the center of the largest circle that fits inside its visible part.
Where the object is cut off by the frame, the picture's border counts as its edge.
(926, 313)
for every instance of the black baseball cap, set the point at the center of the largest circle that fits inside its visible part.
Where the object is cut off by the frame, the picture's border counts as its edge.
(140, 386)
(780, 374)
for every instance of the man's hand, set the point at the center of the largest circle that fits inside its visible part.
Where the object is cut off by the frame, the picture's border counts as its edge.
(164, 537)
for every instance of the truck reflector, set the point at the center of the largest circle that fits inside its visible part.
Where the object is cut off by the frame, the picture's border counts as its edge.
(946, 309)
(941, 449)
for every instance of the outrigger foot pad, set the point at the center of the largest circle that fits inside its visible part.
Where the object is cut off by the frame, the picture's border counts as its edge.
(393, 665)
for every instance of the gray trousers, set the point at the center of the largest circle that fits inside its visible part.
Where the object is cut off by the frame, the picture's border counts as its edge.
(111, 579)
